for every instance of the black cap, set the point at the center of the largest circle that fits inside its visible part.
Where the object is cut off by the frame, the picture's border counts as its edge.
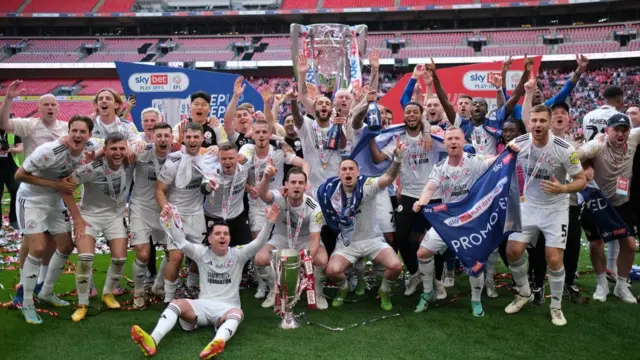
(562, 104)
(619, 119)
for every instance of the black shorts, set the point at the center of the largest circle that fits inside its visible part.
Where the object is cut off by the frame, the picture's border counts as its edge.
(405, 208)
(626, 212)
(239, 229)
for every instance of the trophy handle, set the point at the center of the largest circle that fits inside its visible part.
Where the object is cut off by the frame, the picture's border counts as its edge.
(294, 31)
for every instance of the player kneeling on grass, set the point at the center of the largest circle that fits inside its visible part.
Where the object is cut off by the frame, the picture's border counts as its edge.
(348, 204)
(297, 228)
(219, 301)
(106, 187)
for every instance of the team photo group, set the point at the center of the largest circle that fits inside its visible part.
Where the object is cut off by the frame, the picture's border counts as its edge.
(321, 184)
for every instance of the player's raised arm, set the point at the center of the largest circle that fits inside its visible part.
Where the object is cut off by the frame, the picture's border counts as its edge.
(251, 249)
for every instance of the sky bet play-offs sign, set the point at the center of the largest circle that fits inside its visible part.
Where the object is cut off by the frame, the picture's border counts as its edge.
(481, 80)
(168, 89)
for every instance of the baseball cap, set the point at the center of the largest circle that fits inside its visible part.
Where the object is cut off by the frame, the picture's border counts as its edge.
(619, 119)
(562, 104)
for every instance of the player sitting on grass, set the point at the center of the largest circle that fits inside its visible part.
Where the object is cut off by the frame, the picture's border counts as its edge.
(219, 301)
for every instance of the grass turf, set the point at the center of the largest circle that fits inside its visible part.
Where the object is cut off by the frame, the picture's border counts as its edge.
(448, 331)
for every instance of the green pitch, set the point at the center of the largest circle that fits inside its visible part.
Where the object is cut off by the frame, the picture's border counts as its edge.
(449, 331)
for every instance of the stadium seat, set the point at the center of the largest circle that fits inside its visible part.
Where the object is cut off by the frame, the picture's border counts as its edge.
(436, 52)
(116, 6)
(206, 44)
(24, 109)
(437, 39)
(434, 2)
(299, 4)
(588, 34)
(48, 46)
(92, 86)
(66, 6)
(357, 3)
(277, 42)
(272, 56)
(514, 37)
(515, 50)
(38, 87)
(70, 108)
(8, 6)
(197, 56)
(633, 45)
(102, 56)
(131, 45)
(43, 58)
(588, 48)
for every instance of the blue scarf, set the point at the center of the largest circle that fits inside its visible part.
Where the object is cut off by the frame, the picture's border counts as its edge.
(609, 222)
(345, 219)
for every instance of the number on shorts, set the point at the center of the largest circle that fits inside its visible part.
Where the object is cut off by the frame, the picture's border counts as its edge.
(564, 231)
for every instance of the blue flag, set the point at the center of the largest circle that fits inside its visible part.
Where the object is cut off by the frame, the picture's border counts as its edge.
(606, 218)
(362, 155)
(168, 90)
(475, 226)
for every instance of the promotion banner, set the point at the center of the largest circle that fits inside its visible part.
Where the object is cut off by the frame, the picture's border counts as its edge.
(168, 90)
(472, 80)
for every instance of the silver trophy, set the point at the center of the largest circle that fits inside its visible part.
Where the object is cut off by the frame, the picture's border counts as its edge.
(334, 53)
(288, 270)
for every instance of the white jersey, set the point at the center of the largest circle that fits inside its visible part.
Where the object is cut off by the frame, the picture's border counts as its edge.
(610, 164)
(365, 218)
(483, 142)
(147, 168)
(101, 130)
(257, 165)
(51, 161)
(324, 163)
(416, 165)
(455, 181)
(594, 122)
(309, 211)
(557, 158)
(105, 191)
(228, 186)
(34, 132)
(219, 275)
(187, 199)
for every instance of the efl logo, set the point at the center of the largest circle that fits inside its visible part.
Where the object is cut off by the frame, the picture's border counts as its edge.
(160, 79)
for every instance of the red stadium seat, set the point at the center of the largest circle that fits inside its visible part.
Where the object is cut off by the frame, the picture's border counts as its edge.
(588, 48)
(437, 39)
(24, 109)
(434, 2)
(197, 56)
(299, 4)
(436, 52)
(101, 56)
(515, 37)
(206, 44)
(91, 87)
(116, 6)
(8, 6)
(515, 50)
(43, 58)
(357, 3)
(66, 6)
(38, 87)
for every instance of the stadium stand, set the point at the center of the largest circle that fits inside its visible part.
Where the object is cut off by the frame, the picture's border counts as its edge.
(116, 6)
(436, 39)
(435, 52)
(588, 48)
(198, 56)
(43, 58)
(589, 34)
(25, 109)
(66, 6)
(515, 37)
(91, 87)
(112, 56)
(206, 44)
(434, 2)
(299, 4)
(38, 87)
(10, 5)
(356, 3)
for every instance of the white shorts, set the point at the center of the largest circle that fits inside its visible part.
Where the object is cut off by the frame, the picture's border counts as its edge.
(144, 223)
(111, 227)
(36, 217)
(280, 242)
(195, 229)
(256, 214)
(384, 213)
(208, 312)
(433, 242)
(553, 223)
(360, 249)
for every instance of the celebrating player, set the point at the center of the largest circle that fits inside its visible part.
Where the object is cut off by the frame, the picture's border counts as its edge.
(143, 210)
(219, 300)
(612, 168)
(106, 186)
(179, 184)
(453, 178)
(299, 226)
(546, 161)
(44, 177)
(348, 205)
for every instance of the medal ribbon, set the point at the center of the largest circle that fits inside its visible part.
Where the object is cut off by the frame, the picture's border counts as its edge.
(226, 201)
(320, 139)
(293, 239)
(535, 170)
(411, 154)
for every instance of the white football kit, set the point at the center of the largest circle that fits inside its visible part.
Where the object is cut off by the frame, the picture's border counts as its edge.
(219, 275)
(227, 203)
(303, 220)
(546, 213)
(104, 198)
(324, 163)
(365, 242)
(256, 173)
(40, 208)
(101, 130)
(143, 209)
(184, 193)
(454, 182)
(594, 122)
